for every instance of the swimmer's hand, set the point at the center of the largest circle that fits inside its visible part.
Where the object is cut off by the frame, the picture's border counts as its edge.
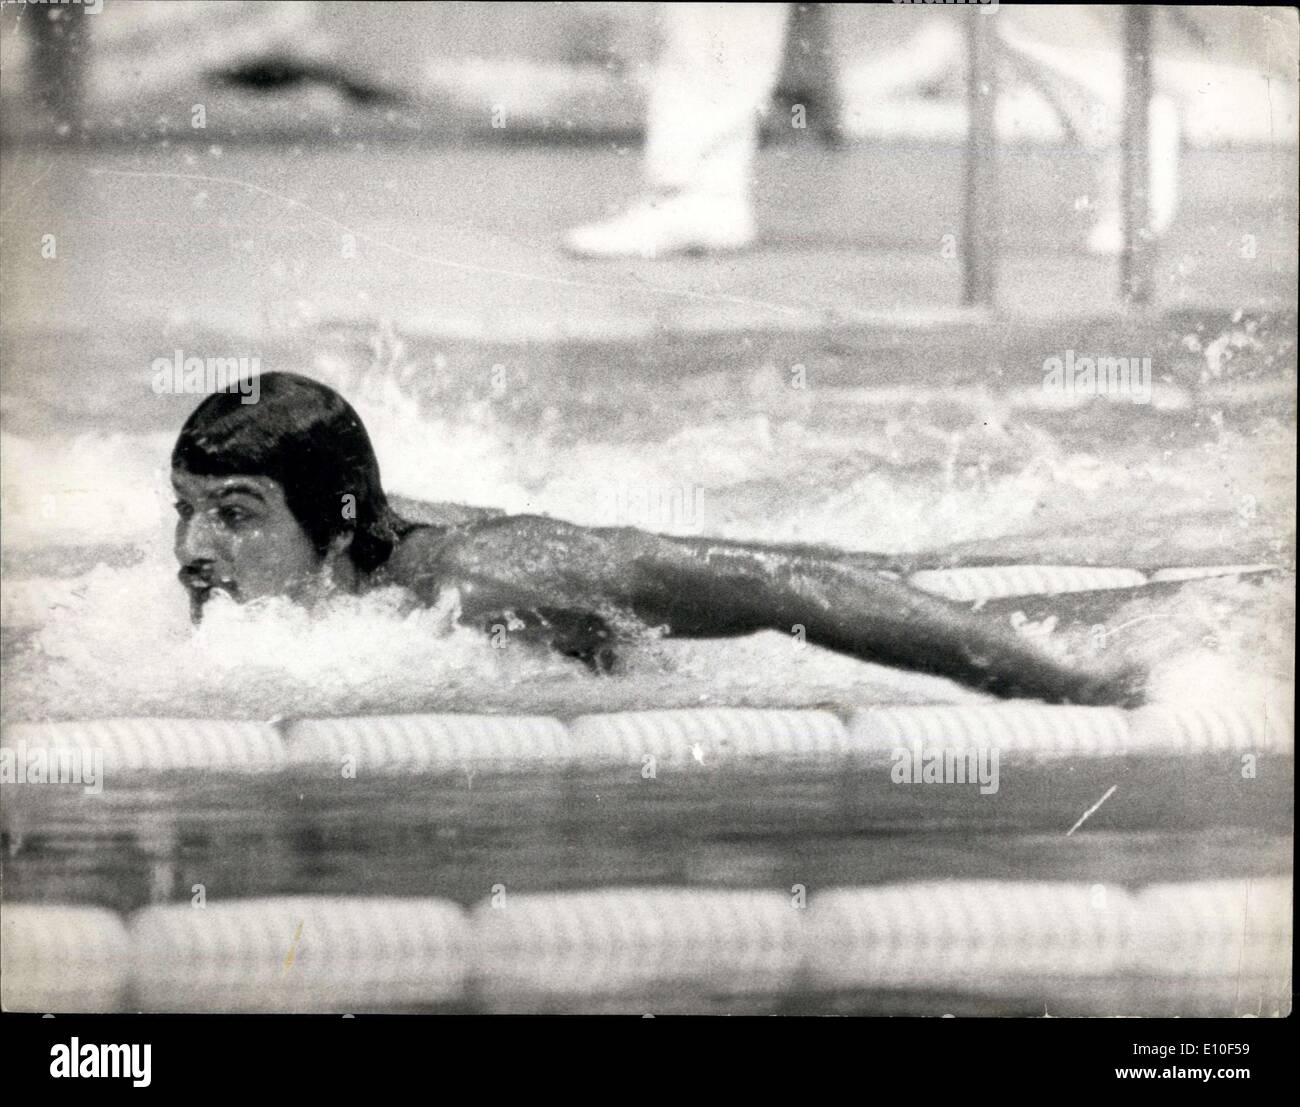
(1123, 688)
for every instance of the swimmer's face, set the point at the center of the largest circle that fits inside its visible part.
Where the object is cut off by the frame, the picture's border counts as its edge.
(237, 535)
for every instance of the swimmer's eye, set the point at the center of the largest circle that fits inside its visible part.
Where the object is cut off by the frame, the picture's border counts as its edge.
(233, 516)
(183, 509)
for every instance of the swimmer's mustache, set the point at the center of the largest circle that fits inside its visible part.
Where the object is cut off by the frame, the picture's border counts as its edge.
(200, 585)
(200, 580)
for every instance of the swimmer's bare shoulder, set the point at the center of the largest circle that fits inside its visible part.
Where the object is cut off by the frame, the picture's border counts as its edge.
(413, 562)
(515, 560)
(440, 513)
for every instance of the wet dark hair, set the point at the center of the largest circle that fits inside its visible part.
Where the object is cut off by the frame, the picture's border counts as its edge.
(306, 437)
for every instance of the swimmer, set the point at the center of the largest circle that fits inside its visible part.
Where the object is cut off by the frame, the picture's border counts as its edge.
(283, 497)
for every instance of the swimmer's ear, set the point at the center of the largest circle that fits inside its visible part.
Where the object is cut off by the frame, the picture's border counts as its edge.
(336, 565)
(340, 543)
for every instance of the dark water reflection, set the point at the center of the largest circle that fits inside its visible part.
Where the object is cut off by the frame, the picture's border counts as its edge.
(456, 835)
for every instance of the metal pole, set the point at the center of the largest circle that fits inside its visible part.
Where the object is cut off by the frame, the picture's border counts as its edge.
(59, 59)
(980, 237)
(809, 74)
(1137, 262)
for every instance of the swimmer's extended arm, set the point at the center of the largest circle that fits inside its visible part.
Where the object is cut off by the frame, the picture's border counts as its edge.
(702, 589)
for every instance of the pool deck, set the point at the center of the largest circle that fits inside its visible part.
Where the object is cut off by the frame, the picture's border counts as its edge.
(463, 241)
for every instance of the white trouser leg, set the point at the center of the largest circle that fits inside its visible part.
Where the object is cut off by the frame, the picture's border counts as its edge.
(1097, 121)
(1089, 88)
(719, 66)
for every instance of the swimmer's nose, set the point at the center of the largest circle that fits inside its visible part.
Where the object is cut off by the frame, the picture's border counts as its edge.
(194, 543)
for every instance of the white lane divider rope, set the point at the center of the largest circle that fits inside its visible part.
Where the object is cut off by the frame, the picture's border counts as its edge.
(1226, 943)
(990, 582)
(299, 953)
(416, 743)
(1027, 728)
(159, 745)
(62, 958)
(999, 581)
(707, 736)
(132, 749)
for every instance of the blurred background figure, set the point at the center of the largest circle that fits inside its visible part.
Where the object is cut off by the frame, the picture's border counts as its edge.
(718, 69)
(1085, 84)
(720, 65)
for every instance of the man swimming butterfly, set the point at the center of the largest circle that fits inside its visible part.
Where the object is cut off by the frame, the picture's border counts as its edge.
(283, 497)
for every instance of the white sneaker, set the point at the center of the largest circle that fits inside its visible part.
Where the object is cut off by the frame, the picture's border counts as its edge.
(667, 223)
